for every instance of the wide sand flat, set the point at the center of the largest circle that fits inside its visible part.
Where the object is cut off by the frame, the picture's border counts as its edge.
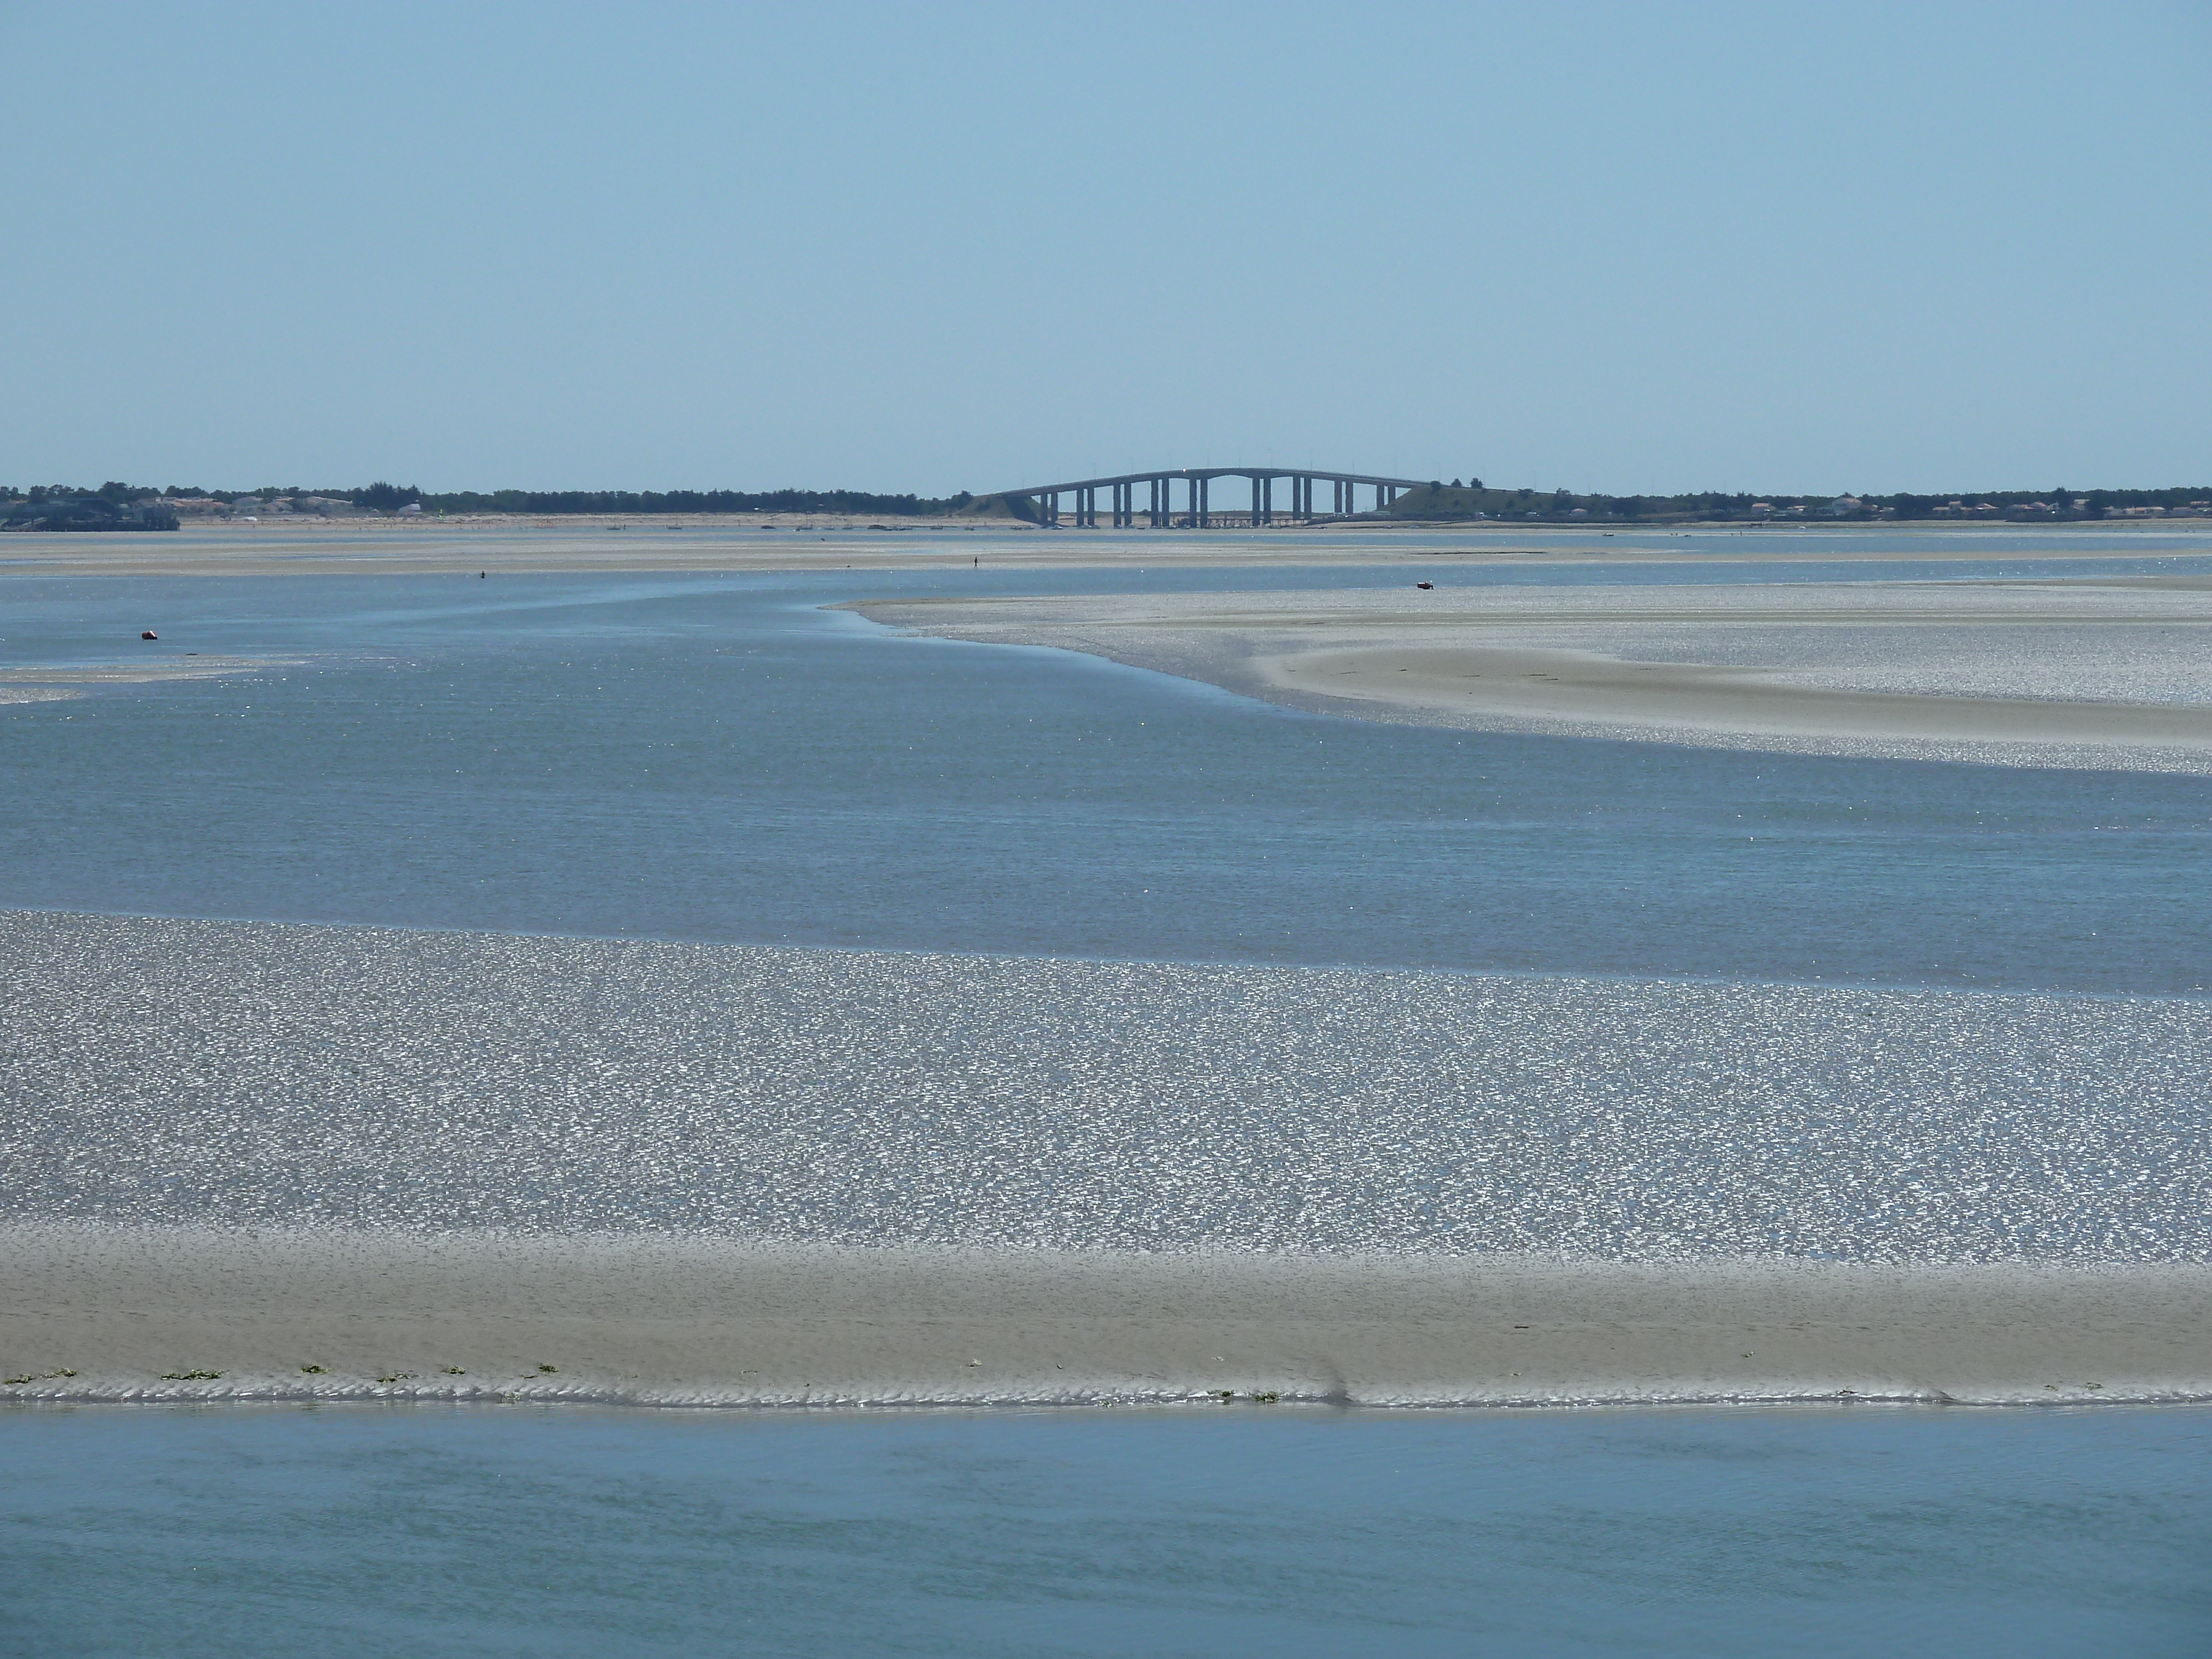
(93, 1312)
(586, 544)
(2111, 672)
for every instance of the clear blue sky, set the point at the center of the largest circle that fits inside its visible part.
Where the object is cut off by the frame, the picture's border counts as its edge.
(1616, 247)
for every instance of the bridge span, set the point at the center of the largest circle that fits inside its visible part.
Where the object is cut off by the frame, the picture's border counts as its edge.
(1197, 512)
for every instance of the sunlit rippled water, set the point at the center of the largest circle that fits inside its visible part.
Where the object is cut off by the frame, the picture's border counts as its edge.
(250, 1073)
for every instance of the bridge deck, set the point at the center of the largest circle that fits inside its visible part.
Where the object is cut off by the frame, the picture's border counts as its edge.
(1198, 508)
(1211, 473)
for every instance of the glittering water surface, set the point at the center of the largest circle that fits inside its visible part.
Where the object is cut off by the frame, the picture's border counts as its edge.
(245, 1533)
(243, 1072)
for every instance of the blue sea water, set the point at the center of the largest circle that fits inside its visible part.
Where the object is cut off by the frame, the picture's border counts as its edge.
(718, 757)
(264, 1533)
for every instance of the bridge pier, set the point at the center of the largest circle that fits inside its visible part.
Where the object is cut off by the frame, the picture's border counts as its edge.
(1196, 510)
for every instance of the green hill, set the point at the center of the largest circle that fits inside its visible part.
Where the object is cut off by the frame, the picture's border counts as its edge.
(1449, 502)
(1020, 507)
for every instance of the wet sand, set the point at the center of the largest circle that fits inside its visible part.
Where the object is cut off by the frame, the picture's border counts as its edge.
(92, 1313)
(355, 547)
(2109, 671)
(51, 685)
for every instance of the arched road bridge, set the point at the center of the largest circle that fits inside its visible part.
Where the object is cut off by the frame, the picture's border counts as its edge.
(1196, 513)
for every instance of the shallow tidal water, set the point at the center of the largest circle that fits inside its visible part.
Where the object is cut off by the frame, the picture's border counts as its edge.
(240, 1532)
(716, 758)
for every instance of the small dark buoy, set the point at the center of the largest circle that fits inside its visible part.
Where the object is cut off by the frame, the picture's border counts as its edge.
(480, 575)
(149, 635)
(1425, 584)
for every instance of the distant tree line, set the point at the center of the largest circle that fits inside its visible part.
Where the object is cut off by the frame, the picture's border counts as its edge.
(384, 497)
(1437, 500)
(1473, 499)
(683, 500)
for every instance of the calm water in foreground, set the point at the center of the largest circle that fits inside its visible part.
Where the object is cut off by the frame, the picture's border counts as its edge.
(237, 1534)
(716, 758)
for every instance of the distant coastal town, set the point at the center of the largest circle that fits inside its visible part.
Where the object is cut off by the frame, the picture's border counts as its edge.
(124, 507)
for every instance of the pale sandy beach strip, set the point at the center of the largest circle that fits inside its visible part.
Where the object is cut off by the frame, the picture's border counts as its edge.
(93, 1312)
(2114, 672)
(644, 543)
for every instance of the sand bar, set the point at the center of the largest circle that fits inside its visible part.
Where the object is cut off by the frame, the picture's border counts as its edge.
(644, 543)
(2105, 672)
(54, 685)
(90, 1313)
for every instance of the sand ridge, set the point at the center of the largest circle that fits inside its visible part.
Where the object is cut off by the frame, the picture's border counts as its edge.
(2099, 672)
(53, 684)
(94, 1313)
